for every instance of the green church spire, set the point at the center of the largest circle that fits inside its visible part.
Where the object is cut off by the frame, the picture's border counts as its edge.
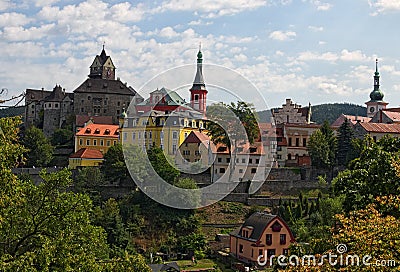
(376, 94)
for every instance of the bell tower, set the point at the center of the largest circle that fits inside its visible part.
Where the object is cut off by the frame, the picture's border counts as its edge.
(376, 103)
(198, 92)
(102, 67)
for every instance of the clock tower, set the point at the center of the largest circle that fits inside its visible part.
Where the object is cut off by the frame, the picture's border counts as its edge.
(102, 67)
(198, 92)
(376, 103)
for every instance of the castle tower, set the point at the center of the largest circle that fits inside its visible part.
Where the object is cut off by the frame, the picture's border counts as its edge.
(102, 67)
(376, 103)
(198, 92)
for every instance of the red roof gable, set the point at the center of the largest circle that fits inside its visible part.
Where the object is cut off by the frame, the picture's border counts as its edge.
(381, 128)
(87, 153)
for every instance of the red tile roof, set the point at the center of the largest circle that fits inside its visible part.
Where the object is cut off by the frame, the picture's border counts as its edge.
(97, 130)
(87, 153)
(393, 115)
(381, 128)
(353, 119)
(196, 137)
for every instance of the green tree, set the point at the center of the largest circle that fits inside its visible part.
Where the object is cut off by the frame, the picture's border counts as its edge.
(114, 167)
(345, 146)
(40, 151)
(162, 165)
(62, 137)
(371, 175)
(318, 148)
(331, 139)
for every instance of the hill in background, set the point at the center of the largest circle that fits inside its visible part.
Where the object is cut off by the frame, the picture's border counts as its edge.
(12, 111)
(329, 112)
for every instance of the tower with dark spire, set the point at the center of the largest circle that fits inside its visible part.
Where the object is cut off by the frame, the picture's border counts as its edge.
(102, 67)
(376, 102)
(198, 92)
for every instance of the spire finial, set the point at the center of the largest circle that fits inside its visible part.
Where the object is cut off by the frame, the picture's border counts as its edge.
(376, 64)
(104, 44)
(199, 46)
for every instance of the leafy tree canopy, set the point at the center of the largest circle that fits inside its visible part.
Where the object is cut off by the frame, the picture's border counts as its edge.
(40, 151)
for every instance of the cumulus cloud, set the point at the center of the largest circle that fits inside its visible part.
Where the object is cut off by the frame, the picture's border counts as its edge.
(316, 28)
(13, 19)
(279, 35)
(383, 6)
(214, 8)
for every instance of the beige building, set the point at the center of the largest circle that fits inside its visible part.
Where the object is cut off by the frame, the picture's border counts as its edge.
(262, 234)
(292, 113)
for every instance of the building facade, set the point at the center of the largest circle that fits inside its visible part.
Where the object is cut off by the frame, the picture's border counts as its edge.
(97, 137)
(262, 234)
(101, 94)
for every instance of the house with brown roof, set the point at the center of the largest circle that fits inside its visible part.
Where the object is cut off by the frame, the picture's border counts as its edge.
(85, 157)
(376, 130)
(262, 234)
(353, 119)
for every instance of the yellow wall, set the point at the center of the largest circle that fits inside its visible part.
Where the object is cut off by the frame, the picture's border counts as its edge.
(76, 162)
(102, 143)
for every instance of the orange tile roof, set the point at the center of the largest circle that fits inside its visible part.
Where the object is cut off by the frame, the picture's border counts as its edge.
(245, 148)
(381, 127)
(393, 115)
(98, 130)
(196, 137)
(87, 153)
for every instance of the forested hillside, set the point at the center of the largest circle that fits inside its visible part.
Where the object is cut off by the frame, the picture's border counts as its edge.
(329, 112)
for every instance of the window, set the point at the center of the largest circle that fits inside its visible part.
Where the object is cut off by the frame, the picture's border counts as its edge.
(150, 134)
(80, 142)
(125, 136)
(240, 171)
(290, 141)
(174, 135)
(186, 152)
(289, 156)
(297, 141)
(219, 159)
(196, 97)
(87, 142)
(253, 170)
(250, 160)
(257, 161)
(139, 135)
(252, 252)
(243, 160)
(174, 149)
(101, 142)
(271, 252)
(197, 153)
(304, 142)
(268, 239)
(222, 170)
(94, 142)
(82, 109)
(145, 134)
(115, 142)
(240, 248)
(56, 105)
(228, 160)
(118, 103)
(108, 143)
(276, 227)
(282, 239)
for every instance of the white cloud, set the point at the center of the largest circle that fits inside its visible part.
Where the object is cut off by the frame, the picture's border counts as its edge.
(200, 22)
(316, 28)
(168, 32)
(44, 3)
(356, 55)
(5, 4)
(312, 56)
(282, 35)
(214, 8)
(13, 19)
(124, 12)
(18, 33)
(321, 5)
(383, 6)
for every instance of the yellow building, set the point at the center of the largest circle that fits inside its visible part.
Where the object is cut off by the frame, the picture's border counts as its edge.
(85, 157)
(97, 136)
(164, 130)
(91, 143)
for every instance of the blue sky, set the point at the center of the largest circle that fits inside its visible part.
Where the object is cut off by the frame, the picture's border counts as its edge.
(308, 50)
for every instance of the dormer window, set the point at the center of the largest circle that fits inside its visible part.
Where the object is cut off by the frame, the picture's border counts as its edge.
(276, 227)
(107, 132)
(97, 131)
(253, 149)
(88, 131)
